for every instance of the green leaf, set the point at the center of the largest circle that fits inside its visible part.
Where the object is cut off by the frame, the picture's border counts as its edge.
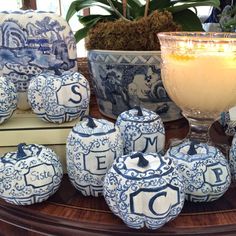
(155, 5)
(117, 11)
(82, 33)
(134, 3)
(82, 4)
(133, 8)
(188, 20)
(86, 20)
(189, 4)
(71, 11)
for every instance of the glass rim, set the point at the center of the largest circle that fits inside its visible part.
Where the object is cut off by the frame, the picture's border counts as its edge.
(192, 35)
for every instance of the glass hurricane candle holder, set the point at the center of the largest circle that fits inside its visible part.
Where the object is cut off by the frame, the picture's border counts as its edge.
(199, 74)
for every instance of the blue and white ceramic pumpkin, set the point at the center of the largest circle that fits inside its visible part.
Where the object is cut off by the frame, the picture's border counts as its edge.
(33, 42)
(142, 130)
(204, 168)
(232, 159)
(8, 99)
(92, 146)
(59, 98)
(30, 175)
(144, 190)
(228, 124)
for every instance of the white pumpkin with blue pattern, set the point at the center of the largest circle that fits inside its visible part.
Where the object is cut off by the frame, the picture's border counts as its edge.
(92, 146)
(59, 98)
(144, 190)
(204, 168)
(8, 99)
(30, 175)
(142, 130)
(232, 159)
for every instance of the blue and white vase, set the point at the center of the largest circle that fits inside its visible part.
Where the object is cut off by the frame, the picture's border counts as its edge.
(92, 146)
(30, 175)
(144, 190)
(8, 99)
(59, 98)
(33, 42)
(124, 79)
(142, 130)
(205, 170)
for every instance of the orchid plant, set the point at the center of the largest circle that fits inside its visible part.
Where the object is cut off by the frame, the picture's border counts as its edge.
(131, 10)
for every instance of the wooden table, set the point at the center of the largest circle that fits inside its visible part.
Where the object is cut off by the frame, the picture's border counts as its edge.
(69, 213)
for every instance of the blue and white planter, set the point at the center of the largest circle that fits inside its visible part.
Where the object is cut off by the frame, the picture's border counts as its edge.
(92, 146)
(30, 175)
(33, 42)
(8, 99)
(144, 190)
(142, 130)
(124, 79)
(204, 168)
(59, 98)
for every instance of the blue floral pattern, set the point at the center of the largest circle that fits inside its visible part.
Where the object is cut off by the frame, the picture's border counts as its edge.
(228, 125)
(122, 81)
(206, 173)
(144, 196)
(144, 133)
(33, 42)
(59, 98)
(30, 175)
(90, 153)
(232, 158)
(8, 99)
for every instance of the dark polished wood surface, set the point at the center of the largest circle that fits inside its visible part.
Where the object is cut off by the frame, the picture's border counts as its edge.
(69, 213)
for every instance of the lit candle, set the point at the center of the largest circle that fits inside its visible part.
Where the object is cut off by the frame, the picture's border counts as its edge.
(200, 74)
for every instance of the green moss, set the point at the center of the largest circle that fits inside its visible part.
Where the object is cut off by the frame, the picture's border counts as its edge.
(131, 35)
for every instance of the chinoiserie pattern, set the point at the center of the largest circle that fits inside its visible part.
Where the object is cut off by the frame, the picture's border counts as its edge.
(90, 153)
(123, 81)
(228, 124)
(33, 42)
(206, 172)
(144, 196)
(59, 98)
(141, 132)
(8, 99)
(232, 158)
(30, 175)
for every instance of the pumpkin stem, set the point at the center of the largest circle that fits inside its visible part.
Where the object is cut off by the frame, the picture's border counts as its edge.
(20, 151)
(91, 123)
(57, 72)
(142, 162)
(192, 149)
(140, 112)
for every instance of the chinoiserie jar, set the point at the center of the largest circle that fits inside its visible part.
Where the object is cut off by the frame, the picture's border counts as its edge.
(123, 79)
(33, 42)
(142, 130)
